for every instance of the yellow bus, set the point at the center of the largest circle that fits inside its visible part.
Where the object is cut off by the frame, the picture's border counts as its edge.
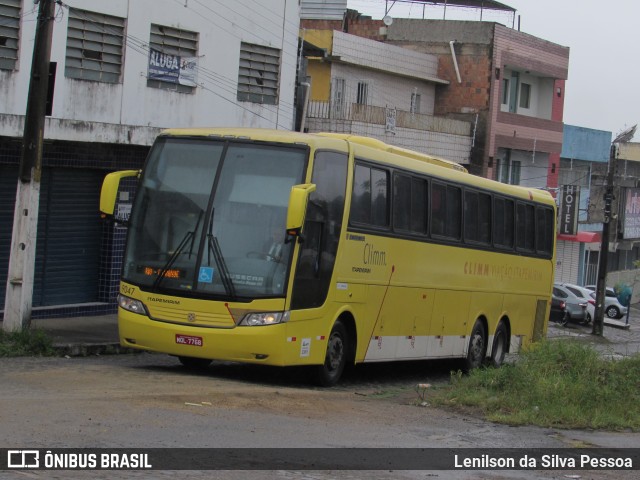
(281, 248)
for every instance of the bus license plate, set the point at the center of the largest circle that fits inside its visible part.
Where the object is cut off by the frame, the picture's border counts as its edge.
(189, 340)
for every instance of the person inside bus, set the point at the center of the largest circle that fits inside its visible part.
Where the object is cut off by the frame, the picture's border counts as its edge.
(275, 245)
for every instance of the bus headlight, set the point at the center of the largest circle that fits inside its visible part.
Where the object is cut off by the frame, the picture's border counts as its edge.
(131, 305)
(266, 318)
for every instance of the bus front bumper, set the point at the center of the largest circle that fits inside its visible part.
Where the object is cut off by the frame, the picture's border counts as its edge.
(280, 345)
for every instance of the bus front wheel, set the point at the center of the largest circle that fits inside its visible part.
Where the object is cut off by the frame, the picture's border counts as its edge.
(477, 347)
(335, 360)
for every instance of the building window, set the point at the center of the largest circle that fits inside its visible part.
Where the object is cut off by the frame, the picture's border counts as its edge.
(94, 46)
(525, 95)
(362, 93)
(9, 33)
(168, 43)
(508, 171)
(415, 103)
(259, 73)
(505, 91)
(338, 97)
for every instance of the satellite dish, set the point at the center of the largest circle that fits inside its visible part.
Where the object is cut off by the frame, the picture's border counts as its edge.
(387, 20)
(626, 135)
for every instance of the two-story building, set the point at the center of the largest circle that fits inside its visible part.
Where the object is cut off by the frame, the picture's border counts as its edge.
(365, 87)
(121, 71)
(508, 84)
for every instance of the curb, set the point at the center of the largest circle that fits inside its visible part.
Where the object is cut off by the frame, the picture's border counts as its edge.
(617, 324)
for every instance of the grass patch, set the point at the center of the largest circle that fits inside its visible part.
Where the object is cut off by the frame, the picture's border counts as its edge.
(555, 384)
(25, 343)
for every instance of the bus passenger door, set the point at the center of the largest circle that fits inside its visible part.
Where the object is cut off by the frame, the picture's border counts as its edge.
(323, 223)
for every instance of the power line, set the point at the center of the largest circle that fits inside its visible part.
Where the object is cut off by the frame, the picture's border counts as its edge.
(226, 84)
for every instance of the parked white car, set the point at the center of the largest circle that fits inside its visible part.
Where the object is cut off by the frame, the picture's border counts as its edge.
(612, 306)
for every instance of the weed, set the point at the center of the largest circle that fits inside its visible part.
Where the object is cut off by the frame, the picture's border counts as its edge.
(556, 384)
(25, 342)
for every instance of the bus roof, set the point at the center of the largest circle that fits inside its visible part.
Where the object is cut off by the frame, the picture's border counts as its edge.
(375, 150)
(405, 152)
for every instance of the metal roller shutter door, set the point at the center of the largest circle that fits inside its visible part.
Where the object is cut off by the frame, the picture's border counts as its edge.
(568, 260)
(8, 185)
(69, 234)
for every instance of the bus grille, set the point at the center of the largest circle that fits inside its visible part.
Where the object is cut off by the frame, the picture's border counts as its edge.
(186, 317)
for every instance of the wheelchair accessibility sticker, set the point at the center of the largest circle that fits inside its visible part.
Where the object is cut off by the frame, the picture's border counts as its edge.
(205, 275)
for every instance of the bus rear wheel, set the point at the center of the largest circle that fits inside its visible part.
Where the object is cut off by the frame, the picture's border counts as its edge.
(499, 349)
(329, 373)
(193, 363)
(477, 347)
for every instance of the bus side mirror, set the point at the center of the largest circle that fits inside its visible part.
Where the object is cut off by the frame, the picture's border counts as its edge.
(298, 200)
(109, 190)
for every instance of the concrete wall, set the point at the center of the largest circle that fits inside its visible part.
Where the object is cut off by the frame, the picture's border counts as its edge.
(221, 29)
(450, 146)
(385, 89)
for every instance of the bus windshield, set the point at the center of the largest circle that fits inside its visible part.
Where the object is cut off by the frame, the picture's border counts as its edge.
(210, 217)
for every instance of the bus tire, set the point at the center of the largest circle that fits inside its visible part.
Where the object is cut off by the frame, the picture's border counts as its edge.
(499, 349)
(328, 374)
(477, 347)
(193, 363)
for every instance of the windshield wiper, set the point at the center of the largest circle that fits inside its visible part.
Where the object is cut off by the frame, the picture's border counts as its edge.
(214, 247)
(190, 235)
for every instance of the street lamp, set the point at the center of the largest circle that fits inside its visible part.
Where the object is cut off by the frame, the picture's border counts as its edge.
(598, 320)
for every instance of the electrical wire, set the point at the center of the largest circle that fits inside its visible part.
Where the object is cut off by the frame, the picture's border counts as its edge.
(224, 83)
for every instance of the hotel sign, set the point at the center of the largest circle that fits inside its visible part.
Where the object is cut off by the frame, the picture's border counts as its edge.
(569, 210)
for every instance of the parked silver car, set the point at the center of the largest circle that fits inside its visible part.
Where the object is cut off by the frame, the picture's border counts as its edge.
(567, 307)
(612, 306)
(583, 292)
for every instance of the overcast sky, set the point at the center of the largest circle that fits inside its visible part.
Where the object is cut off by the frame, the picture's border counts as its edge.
(603, 88)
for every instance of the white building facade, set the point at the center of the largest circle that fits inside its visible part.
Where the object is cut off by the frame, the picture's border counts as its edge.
(120, 72)
(383, 91)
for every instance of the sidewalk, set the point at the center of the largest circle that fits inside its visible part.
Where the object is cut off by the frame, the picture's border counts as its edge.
(81, 336)
(619, 337)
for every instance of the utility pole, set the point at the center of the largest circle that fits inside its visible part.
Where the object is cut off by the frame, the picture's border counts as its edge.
(598, 321)
(19, 294)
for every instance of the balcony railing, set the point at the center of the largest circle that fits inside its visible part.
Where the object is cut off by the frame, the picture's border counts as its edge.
(378, 115)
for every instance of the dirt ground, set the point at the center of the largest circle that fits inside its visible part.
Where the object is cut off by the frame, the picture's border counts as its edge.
(147, 401)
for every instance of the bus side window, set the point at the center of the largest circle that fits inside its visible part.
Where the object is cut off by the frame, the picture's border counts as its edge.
(446, 211)
(370, 199)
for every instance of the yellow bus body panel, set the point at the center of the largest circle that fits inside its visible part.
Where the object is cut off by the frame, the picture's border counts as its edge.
(408, 298)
